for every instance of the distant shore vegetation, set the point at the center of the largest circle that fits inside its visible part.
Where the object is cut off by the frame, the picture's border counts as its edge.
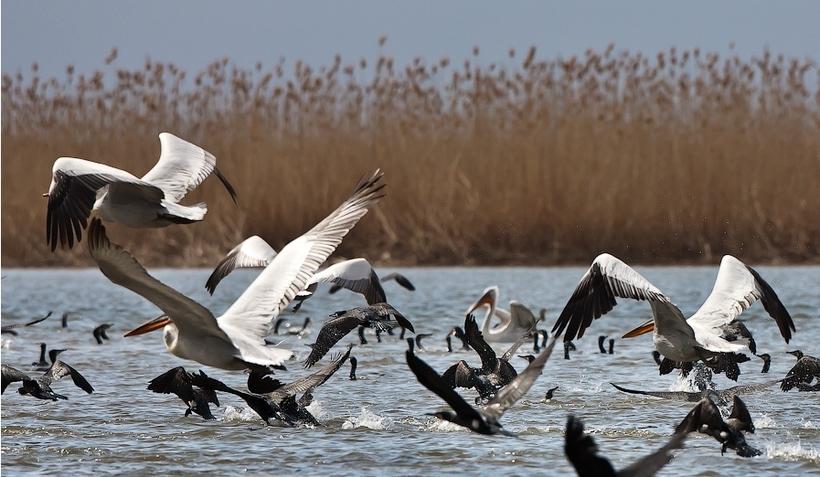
(669, 157)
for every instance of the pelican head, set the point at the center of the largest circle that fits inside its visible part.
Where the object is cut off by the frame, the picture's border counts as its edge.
(487, 299)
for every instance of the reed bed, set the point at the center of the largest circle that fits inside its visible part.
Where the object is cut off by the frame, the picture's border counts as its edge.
(680, 156)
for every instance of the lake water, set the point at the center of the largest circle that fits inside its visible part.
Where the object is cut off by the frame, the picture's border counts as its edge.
(379, 425)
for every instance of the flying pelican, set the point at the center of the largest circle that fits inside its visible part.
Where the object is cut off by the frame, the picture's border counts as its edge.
(343, 322)
(737, 287)
(235, 340)
(519, 319)
(80, 188)
(178, 381)
(355, 274)
(483, 419)
(582, 452)
(705, 418)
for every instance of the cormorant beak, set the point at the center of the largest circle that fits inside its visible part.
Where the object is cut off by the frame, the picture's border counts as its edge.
(155, 324)
(640, 329)
(45, 194)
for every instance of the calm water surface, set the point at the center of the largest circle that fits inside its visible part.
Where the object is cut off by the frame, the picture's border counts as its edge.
(378, 425)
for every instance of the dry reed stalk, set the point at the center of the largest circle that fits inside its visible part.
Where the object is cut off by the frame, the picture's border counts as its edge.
(680, 156)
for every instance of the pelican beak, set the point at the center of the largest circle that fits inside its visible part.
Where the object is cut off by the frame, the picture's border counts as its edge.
(640, 329)
(155, 324)
(488, 299)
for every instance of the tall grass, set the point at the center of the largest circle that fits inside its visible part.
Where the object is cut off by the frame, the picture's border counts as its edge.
(681, 156)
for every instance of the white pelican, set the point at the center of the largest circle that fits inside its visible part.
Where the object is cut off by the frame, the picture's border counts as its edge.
(514, 323)
(355, 274)
(235, 340)
(737, 287)
(79, 188)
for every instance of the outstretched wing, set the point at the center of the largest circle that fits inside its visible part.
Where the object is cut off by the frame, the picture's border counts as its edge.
(519, 386)
(400, 279)
(253, 252)
(330, 333)
(59, 370)
(181, 167)
(607, 278)
(251, 316)
(356, 275)
(736, 288)
(73, 191)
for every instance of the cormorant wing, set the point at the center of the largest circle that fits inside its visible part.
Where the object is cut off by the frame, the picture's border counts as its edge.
(803, 371)
(332, 331)
(518, 387)
(582, 452)
(400, 279)
(476, 341)
(59, 370)
(430, 379)
(12, 375)
(308, 383)
(253, 252)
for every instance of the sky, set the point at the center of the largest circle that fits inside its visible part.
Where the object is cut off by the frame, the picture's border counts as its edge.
(193, 33)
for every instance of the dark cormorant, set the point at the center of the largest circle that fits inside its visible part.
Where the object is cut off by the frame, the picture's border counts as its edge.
(767, 362)
(99, 333)
(9, 329)
(42, 362)
(722, 396)
(178, 381)
(343, 322)
(41, 387)
(582, 452)
(804, 371)
(705, 418)
(483, 419)
(353, 365)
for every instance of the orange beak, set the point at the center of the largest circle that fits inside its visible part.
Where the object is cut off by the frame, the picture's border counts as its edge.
(640, 329)
(488, 299)
(155, 324)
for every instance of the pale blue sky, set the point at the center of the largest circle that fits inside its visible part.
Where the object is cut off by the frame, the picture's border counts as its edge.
(192, 33)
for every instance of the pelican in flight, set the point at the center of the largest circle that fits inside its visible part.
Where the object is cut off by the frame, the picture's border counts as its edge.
(686, 340)
(355, 274)
(79, 188)
(235, 340)
(514, 322)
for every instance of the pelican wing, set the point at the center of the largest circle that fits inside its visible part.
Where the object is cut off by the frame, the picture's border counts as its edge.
(356, 275)
(251, 316)
(607, 278)
(253, 252)
(73, 191)
(518, 387)
(737, 287)
(181, 167)
(124, 270)
(521, 316)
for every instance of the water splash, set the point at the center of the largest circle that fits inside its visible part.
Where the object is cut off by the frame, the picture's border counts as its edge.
(369, 420)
